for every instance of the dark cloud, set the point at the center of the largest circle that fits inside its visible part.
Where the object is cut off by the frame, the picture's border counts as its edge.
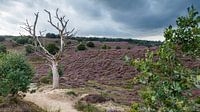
(147, 14)
(122, 18)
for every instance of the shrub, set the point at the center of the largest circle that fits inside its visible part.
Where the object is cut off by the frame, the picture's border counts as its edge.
(29, 49)
(81, 47)
(90, 44)
(15, 74)
(3, 48)
(85, 107)
(52, 48)
(2, 39)
(117, 47)
(45, 80)
(71, 93)
(23, 40)
(167, 83)
(105, 47)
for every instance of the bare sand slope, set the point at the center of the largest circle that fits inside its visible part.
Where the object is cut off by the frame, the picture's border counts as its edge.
(52, 100)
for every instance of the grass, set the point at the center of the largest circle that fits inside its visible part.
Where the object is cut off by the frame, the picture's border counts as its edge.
(85, 107)
(71, 93)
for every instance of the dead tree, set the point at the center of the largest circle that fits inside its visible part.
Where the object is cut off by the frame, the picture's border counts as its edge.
(61, 27)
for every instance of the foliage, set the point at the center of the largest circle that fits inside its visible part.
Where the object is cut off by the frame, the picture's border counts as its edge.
(52, 48)
(2, 39)
(29, 49)
(85, 107)
(71, 93)
(15, 74)
(2, 48)
(105, 47)
(90, 44)
(81, 47)
(45, 80)
(51, 35)
(187, 34)
(167, 84)
(117, 47)
(23, 40)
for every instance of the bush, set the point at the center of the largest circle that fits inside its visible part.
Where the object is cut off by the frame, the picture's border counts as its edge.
(45, 80)
(2, 39)
(117, 47)
(85, 107)
(90, 44)
(52, 48)
(29, 49)
(167, 84)
(23, 40)
(3, 48)
(15, 74)
(105, 47)
(81, 47)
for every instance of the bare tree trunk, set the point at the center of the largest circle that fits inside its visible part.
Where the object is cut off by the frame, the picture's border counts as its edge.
(55, 74)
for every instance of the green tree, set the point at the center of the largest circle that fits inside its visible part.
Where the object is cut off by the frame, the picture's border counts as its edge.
(15, 74)
(166, 82)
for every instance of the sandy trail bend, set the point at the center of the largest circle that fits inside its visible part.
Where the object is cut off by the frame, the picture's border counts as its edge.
(52, 100)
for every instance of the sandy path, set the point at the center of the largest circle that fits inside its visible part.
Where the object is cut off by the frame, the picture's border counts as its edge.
(52, 100)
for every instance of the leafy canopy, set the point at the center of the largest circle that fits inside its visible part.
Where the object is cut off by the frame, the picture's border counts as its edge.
(166, 82)
(15, 74)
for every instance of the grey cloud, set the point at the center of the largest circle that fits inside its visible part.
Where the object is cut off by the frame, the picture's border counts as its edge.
(124, 18)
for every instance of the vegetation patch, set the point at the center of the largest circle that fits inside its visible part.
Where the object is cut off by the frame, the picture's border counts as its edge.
(86, 107)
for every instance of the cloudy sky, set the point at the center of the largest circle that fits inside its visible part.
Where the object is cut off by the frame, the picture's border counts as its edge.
(140, 19)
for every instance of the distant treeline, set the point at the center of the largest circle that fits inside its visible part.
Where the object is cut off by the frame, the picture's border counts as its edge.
(131, 41)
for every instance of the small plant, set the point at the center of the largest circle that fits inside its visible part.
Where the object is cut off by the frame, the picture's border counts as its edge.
(129, 48)
(85, 107)
(90, 44)
(71, 93)
(2, 39)
(105, 47)
(45, 80)
(81, 47)
(3, 48)
(52, 48)
(29, 49)
(117, 47)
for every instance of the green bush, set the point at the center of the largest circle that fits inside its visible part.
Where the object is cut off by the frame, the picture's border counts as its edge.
(15, 74)
(167, 84)
(45, 80)
(81, 47)
(105, 47)
(2, 39)
(29, 49)
(85, 107)
(23, 40)
(117, 47)
(52, 48)
(90, 44)
(3, 48)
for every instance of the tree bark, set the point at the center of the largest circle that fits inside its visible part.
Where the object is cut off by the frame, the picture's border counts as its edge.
(55, 74)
